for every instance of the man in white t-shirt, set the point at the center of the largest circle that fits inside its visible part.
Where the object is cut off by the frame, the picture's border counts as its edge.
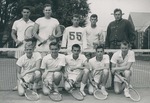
(74, 35)
(52, 65)
(94, 33)
(99, 66)
(45, 27)
(19, 28)
(122, 61)
(28, 68)
(75, 70)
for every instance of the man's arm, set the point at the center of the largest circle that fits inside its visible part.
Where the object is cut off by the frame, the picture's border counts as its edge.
(107, 44)
(35, 31)
(14, 36)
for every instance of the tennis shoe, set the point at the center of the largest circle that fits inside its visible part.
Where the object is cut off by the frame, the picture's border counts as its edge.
(104, 90)
(126, 93)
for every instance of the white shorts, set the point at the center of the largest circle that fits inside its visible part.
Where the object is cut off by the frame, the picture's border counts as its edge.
(28, 77)
(49, 77)
(116, 79)
(97, 77)
(73, 76)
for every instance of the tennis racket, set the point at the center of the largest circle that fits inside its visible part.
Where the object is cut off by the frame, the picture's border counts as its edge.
(30, 94)
(97, 92)
(54, 96)
(75, 93)
(134, 95)
(58, 37)
(28, 35)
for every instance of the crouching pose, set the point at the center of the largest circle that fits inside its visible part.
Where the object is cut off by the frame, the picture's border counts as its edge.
(122, 62)
(52, 65)
(75, 70)
(99, 70)
(29, 65)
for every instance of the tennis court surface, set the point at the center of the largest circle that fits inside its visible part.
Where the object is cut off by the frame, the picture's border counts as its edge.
(140, 80)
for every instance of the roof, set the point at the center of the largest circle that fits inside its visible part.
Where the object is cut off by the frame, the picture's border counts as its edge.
(141, 20)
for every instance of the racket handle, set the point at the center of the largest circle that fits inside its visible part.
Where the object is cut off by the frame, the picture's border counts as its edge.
(40, 44)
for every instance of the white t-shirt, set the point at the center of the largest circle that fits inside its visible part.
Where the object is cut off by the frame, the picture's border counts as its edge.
(94, 35)
(74, 35)
(70, 62)
(27, 63)
(99, 64)
(46, 28)
(20, 26)
(118, 59)
(49, 62)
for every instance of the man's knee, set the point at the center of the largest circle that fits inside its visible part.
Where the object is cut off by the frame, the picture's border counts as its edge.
(37, 74)
(57, 75)
(127, 73)
(105, 71)
(67, 86)
(86, 71)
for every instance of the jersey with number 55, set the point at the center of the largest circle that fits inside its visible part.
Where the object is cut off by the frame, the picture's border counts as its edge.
(74, 35)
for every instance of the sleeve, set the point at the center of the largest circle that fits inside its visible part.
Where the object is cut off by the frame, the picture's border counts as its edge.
(114, 58)
(14, 27)
(62, 62)
(84, 40)
(38, 56)
(131, 32)
(43, 65)
(107, 60)
(107, 44)
(131, 57)
(64, 40)
(38, 21)
(20, 62)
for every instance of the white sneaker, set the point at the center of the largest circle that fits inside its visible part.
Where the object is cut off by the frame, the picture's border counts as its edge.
(83, 93)
(126, 93)
(104, 90)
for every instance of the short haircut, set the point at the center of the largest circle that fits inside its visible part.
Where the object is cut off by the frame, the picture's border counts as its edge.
(26, 7)
(76, 16)
(125, 42)
(47, 5)
(53, 44)
(29, 44)
(117, 9)
(94, 16)
(100, 47)
(76, 45)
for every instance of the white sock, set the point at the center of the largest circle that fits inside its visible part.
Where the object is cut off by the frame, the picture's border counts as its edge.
(82, 86)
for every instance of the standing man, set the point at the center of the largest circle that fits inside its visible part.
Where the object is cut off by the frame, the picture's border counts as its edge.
(94, 33)
(19, 28)
(99, 66)
(44, 28)
(28, 68)
(74, 35)
(119, 30)
(122, 62)
(52, 68)
(75, 70)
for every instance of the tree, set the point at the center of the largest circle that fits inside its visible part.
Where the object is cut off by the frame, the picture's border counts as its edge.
(10, 10)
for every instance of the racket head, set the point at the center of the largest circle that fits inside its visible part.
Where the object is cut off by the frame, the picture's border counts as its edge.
(99, 95)
(55, 96)
(62, 28)
(77, 94)
(31, 95)
(134, 95)
(28, 34)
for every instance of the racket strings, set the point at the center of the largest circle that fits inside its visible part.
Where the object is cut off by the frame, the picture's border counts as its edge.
(134, 95)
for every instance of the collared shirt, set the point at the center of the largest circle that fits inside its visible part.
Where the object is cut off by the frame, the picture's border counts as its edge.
(74, 35)
(49, 62)
(119, 31)
(46, 28)
(94, 35)
(118, 59)
(27, 63)
(20, 26)
(70, 62)
(99, 64)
